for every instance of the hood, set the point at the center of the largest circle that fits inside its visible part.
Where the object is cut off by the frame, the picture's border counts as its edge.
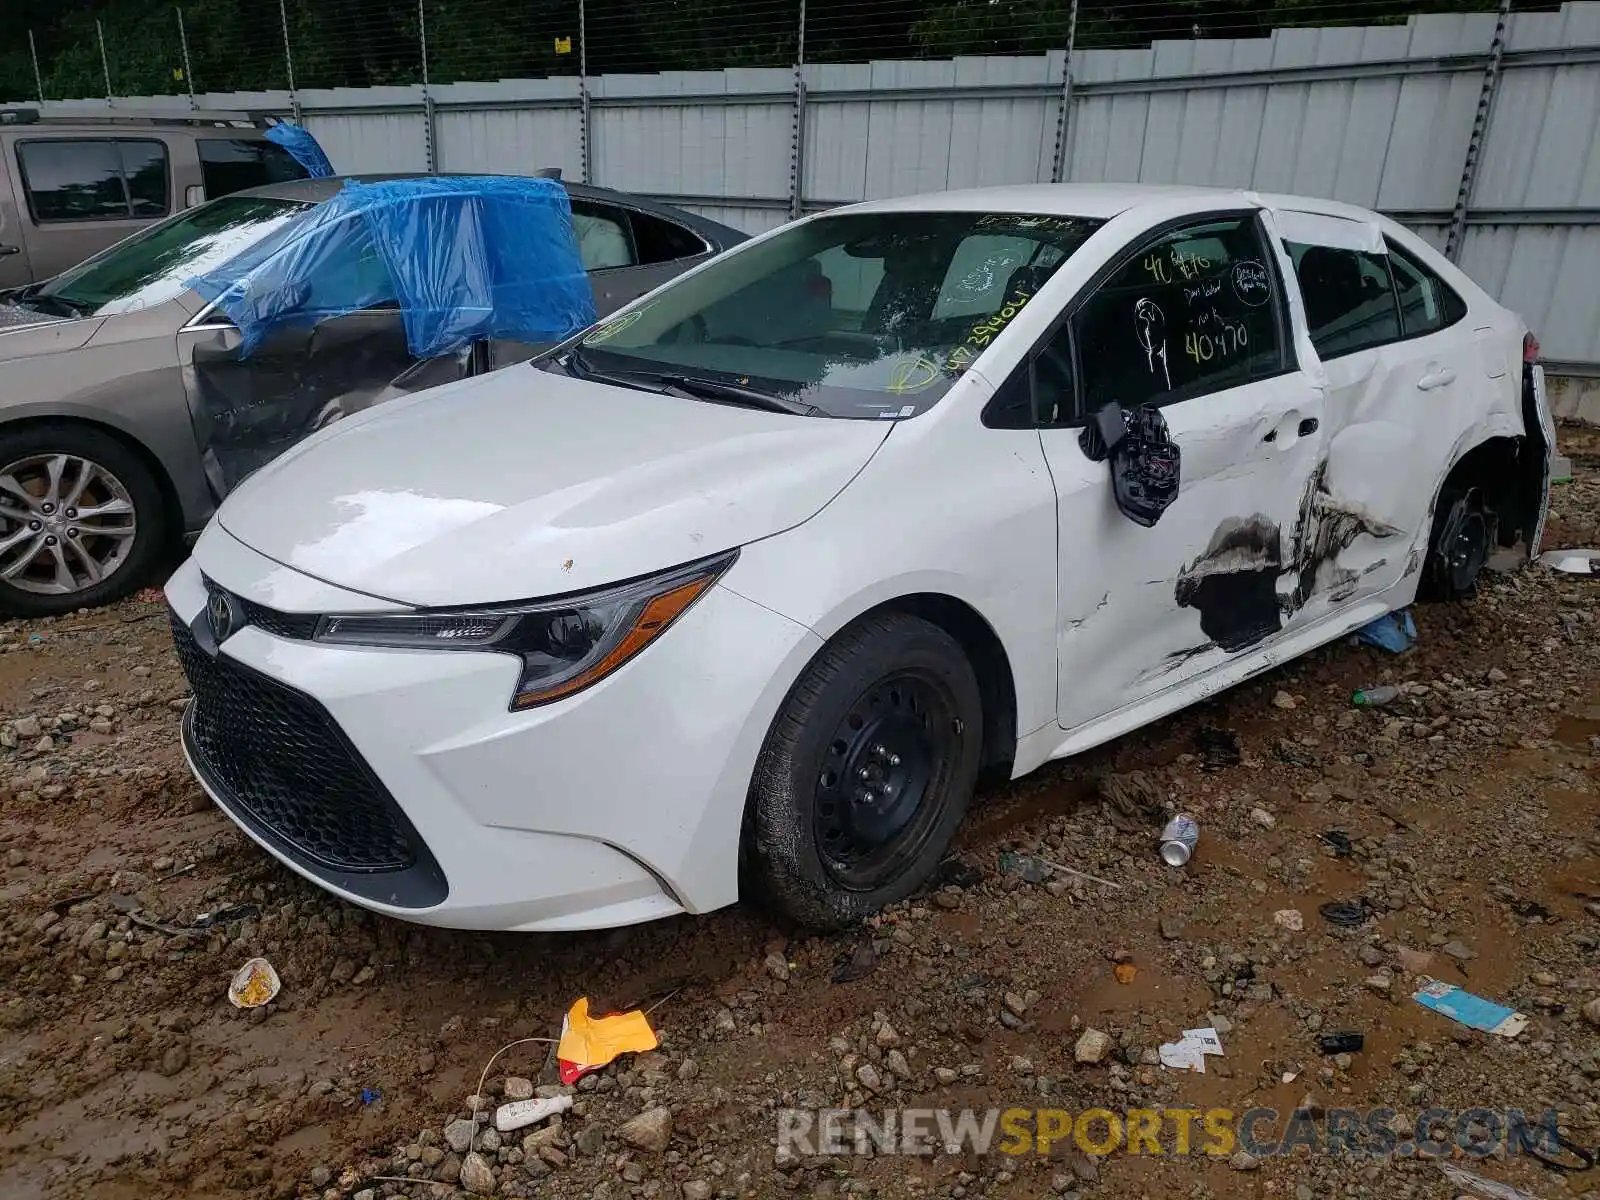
(522, 484)
(25, 333)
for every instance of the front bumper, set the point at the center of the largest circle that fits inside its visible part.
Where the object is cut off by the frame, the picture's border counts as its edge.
(422, 797)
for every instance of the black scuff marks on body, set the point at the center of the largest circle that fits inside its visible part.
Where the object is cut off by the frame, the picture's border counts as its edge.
(1327, 526)
(1234, 583)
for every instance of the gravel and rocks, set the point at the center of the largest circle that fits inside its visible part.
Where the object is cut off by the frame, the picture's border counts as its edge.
(1471, 848)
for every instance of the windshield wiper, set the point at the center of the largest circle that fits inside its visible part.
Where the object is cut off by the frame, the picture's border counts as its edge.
(57, 305)
(691, 386)
(715, 389)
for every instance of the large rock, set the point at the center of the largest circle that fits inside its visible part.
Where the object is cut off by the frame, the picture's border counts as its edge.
(650, 1131)
(477, 1176)
(1092, 1046)
(458, 1135)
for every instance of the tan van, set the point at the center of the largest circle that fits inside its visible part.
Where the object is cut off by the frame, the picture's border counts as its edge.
(71, 186)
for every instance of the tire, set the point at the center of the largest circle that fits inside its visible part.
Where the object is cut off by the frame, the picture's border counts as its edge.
(1459, 545)
(896, 697)
(120, 485)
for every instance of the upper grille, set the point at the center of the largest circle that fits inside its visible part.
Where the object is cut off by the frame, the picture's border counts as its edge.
(277, 756)
(300, 627)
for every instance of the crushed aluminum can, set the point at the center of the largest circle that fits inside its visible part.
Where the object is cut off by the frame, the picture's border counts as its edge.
(1178, 840)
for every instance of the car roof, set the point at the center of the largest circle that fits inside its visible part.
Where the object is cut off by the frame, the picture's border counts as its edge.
(1100, 201)
(315, 191)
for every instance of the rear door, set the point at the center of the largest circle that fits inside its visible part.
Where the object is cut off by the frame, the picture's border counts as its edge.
(1404, 378)
(79, 193)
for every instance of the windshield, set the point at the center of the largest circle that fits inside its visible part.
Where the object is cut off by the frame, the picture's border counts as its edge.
(855, 315)
(154, 265)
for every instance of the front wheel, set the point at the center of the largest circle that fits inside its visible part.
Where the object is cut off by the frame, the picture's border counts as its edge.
(81, 520)
(866, 772)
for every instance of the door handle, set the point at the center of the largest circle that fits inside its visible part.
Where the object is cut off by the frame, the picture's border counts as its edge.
(1437, 378)
(9, 250)
(1308, 427)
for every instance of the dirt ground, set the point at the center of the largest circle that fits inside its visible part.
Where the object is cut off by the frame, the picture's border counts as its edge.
(1471, 807)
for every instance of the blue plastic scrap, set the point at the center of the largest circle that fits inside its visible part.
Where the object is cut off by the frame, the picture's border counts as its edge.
(302, 147)
(1395, 632)
(463, 258)
(1472, 1011)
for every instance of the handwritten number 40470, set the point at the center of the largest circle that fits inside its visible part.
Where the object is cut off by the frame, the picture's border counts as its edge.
(1203, 347)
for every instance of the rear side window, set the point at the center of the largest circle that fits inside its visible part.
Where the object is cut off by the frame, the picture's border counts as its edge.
(1350, 303)
(230, 165)
(658, 240)
(1427, 303)
(88, 179)
(1195, 311)
(604, 239)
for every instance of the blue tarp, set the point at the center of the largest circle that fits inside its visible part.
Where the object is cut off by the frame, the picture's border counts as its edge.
(462, 257)
(302, 147)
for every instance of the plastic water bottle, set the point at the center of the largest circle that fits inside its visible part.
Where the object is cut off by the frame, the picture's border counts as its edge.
(1178, 840)
(1376, 697)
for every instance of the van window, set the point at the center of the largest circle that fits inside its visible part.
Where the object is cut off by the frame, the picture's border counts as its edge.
(92, 179)
(230, 165)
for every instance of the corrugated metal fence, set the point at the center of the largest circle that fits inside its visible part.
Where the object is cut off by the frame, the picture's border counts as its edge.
(1481, 130)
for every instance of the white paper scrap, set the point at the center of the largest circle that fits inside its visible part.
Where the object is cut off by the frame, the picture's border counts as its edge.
(1183, 1056)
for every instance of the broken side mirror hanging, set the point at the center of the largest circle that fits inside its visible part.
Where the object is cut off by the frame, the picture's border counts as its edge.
(1145, 462)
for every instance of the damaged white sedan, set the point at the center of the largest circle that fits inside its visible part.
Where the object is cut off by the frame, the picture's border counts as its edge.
(737, 593)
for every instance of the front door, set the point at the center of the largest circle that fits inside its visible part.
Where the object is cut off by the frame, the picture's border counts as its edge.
(1191, 321)
(248, 409)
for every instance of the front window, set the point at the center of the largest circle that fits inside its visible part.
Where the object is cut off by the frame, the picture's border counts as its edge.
(862, 316)
(155, 265)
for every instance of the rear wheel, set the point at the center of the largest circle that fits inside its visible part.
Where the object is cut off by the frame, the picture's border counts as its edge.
(867, 771)
(1460, 544)
(81, 520)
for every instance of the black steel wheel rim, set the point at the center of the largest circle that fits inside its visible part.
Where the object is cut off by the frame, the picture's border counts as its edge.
(1468, 551)
(883, 770)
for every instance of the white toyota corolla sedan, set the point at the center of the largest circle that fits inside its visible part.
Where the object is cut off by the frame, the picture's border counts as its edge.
(737, 593)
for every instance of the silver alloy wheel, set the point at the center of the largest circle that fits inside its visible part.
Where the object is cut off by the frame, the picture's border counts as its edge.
(66, 524)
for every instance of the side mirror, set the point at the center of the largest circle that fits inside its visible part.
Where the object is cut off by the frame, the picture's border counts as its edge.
(1146, 464)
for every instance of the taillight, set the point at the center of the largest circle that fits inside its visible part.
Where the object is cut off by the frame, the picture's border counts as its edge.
(1530, 348)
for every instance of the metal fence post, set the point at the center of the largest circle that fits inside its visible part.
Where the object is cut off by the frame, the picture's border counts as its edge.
(188, 71)
(428, 148)
(1480, 128)
(797, 136)
(105, 65)
(38, 79)
(1058, 167)
(288, 60)
(585, 154)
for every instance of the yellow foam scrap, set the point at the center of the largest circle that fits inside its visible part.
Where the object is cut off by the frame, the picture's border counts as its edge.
(594, 1041)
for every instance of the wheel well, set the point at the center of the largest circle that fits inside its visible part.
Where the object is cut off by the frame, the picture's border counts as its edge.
(989, 662)
(169, 494)
(1506, 473)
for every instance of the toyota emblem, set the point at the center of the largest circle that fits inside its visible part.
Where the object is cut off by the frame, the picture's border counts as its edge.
(222, 614)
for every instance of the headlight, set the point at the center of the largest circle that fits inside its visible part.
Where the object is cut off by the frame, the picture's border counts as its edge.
(565, 645)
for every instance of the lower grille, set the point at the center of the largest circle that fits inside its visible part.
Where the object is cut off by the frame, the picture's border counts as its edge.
(283, 767)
